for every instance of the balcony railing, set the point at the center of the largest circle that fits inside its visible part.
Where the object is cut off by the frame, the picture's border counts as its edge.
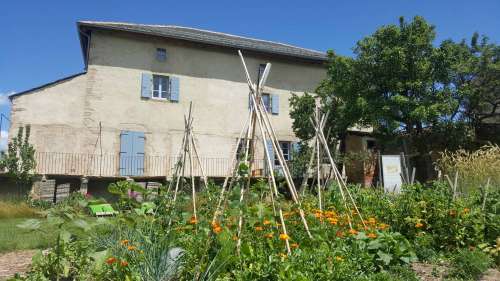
(112, 165)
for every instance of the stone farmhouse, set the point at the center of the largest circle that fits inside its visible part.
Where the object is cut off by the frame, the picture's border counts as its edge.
(123, 116)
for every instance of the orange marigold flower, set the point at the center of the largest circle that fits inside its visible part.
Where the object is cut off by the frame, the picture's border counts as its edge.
(294, 245)
(372, 235)
(353, 231)
(339, 258)
(110, 260)
(132, 248)
(269, 235)
(259, 228)
(284, 236)
(123, 263)
(124, 242)
(193, 220)
(318, 215)
(235, 237)
(419, 225)
(339, 234)
(333, 221)
(266, 222)
(466, 210)
(217, 229)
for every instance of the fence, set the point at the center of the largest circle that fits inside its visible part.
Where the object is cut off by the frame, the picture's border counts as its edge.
(112, 165)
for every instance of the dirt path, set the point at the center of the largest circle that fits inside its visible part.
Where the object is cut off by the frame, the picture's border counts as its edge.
(15, 262)
(430, 272)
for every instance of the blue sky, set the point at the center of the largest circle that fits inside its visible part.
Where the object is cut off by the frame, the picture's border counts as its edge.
(39, 41)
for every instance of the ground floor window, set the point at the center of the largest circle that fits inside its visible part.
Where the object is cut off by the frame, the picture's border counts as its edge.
(285, 147)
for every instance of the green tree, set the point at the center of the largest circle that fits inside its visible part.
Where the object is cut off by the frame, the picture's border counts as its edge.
(19, 161)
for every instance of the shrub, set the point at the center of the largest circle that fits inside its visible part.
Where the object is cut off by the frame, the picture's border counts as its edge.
(469, 264)
(474, 168)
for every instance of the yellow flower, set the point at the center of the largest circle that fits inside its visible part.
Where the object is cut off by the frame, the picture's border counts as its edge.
(294, 245)
(132, 248)
(372, 235)
(383, 226)
(269, 235)
(124, 242)
(466, 210)
(266, 222)
(235, 237)
(318, 215)
(259, 228)
(283, 255)
(339, 258)
(284, 236)
(419, 225)
(372, 221)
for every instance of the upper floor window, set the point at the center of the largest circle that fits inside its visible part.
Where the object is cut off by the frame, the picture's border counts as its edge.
(160, 87)
(161, 54)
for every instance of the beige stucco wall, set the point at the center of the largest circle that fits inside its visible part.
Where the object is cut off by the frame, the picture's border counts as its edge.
(65, 117)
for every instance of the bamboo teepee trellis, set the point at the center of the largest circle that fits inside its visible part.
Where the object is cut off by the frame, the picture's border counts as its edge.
(320, 143)
(188, 149)
(258, 118)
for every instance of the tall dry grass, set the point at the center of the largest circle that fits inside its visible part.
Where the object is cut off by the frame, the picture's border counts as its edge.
(12, 209)
(474, 167)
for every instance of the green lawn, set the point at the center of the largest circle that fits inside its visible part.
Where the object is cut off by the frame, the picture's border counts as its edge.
(13, 238)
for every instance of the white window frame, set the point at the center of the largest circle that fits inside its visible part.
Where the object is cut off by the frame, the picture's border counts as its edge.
(160, 89)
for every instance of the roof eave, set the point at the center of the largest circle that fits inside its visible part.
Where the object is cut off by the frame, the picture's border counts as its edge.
(96, 26)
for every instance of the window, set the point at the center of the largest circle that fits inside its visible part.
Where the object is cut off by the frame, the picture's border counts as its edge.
(160, 87)
(161, 54)
(266, 98)
(241, 147)
(285, 147)
(371, 145)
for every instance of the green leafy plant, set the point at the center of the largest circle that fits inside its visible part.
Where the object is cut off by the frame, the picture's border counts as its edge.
(469, 264)
(20, 158)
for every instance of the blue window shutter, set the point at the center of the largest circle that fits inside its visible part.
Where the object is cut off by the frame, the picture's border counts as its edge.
(139, 140)
(146, 85)
(126, 152)
(275, 104)
(174, 89)
(269, 144)
(131, 153)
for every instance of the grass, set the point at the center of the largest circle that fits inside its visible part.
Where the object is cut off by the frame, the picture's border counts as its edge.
(13, 238)
(12, 209)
